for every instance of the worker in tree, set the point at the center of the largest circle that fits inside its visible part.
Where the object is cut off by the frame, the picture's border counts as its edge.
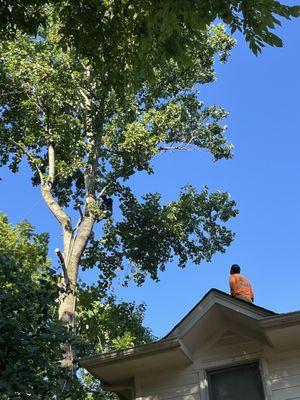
(107, 204)
(240, 286)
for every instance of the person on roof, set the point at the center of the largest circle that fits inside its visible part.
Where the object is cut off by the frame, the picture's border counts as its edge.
(240, 286)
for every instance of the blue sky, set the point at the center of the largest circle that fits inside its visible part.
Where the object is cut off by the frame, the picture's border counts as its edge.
(262, 97)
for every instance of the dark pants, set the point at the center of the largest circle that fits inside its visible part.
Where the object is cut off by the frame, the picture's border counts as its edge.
(241, 297)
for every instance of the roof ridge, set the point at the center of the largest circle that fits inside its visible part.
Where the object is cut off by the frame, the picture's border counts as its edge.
(228, 296)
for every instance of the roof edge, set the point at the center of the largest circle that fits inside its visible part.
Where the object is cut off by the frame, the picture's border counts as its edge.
(218, 292)
(131, 353)
(167, 343)
(281, 320)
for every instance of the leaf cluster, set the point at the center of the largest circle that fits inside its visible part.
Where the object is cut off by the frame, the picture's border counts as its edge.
(151, 235)
(23, 245)
(30, 334)
(29, 331)
(105, 324)
(131, 37)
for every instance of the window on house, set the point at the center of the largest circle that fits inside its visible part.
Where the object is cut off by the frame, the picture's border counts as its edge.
(241, 382)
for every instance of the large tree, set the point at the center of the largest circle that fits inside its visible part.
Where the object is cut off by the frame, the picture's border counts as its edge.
(30, 333)
(103, 28)
(84, 139)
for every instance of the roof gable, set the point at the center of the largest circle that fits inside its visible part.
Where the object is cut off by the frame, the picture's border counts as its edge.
(212, 299)
(217, 318)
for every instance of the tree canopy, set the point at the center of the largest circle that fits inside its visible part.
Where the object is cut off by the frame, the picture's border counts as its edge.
(146, 29)
(29, 328)
(82, 141)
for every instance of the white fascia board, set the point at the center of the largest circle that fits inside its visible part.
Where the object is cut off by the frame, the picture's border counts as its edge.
(127, 354)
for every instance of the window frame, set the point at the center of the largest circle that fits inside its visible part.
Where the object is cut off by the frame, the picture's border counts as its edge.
(236, 366)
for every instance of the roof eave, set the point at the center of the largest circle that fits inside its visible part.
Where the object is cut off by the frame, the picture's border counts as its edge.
(281, 320)
(129, 354)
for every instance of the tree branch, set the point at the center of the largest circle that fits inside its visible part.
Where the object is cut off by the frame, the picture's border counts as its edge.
(181, 146)
(87, 219)
(103, 191)
(79, 245)
(51, 156)
(52, 204)
(80, 219)
(63, 266)
(173, 148)
(55, 208)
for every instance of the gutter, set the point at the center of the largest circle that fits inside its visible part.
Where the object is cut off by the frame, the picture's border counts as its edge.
(129, 354)
(281, 320)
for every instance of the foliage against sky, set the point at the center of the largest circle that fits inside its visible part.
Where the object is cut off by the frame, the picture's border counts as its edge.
(84, 137)
(52, 97)
(144, 29)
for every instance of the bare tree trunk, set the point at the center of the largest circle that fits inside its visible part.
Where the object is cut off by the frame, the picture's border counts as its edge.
(66, 313)
(73, 250)
(67, 302)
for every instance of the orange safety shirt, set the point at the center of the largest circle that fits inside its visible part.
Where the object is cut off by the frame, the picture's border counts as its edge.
(240, 286)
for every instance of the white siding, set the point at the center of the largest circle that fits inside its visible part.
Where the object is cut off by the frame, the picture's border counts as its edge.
(176, 384)
(284, 376)
(190, 383)
(281, 371)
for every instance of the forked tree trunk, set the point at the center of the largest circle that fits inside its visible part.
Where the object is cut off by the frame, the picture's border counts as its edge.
(74, 246)
(74, 239)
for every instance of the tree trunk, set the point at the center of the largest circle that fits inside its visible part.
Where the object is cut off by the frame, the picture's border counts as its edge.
(73, 250)
(67, 315)
(74, 239)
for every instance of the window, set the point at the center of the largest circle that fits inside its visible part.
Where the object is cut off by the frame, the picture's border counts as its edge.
(241, 382)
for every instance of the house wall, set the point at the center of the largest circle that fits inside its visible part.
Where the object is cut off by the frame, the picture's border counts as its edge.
(280, 370)
(284, 375)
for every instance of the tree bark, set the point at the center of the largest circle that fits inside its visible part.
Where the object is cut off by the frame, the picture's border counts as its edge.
(67, 316)
(73, 250)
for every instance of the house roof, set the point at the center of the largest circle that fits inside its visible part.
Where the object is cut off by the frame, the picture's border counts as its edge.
(216, 292)
(208, 316)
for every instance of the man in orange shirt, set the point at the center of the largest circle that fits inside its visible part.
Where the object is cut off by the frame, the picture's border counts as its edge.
(240, 286)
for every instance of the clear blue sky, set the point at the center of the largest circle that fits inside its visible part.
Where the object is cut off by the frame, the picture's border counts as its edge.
(262, 96)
